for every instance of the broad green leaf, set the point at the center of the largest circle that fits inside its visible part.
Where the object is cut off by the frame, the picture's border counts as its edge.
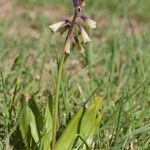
(1, 145)
(33, 125)
(48, 122)
(84, 123)
(48, 126)
(24, 127)
(98, 104)
(91, 119)
(87, 123)
(45, 143)
(66, 141)
(39, 120)
(24, 122)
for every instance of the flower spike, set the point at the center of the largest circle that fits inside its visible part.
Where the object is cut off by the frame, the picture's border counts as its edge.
(74, 28)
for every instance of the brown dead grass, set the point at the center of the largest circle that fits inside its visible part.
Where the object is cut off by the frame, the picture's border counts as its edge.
(6, 8)
(10, 11)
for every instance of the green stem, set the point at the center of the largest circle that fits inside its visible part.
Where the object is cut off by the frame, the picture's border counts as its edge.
(56, 103)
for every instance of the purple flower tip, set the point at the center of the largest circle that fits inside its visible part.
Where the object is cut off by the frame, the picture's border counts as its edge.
(75, 3)
(84, 17)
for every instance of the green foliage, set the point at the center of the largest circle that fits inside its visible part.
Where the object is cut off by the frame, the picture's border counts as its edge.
(84, 123)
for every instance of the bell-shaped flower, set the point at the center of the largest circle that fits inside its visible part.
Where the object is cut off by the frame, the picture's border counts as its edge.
(86, 38)
(55, 27)
(91, 23)
(79, 45)
(68, 44)
(64, 29)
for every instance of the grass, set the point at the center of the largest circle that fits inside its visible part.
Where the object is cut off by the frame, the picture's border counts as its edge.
(118, 67)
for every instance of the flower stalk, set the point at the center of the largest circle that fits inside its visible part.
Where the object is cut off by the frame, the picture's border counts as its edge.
(56, 103)
(68, 37)
(58, 84)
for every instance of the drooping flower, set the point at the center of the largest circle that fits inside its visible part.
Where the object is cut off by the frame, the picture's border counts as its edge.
(68, 44)
(64, 29)
(55, 27)
(91, 23)
(86, 38)
(79, 45)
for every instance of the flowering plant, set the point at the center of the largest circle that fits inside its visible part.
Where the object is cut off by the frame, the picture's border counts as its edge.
(74, 29)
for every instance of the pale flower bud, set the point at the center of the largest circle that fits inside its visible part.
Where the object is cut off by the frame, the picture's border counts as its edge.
(84, 35)
(55, 27)
(91, 23)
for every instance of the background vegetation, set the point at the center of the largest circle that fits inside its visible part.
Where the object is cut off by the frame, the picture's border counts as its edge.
(116, 64)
